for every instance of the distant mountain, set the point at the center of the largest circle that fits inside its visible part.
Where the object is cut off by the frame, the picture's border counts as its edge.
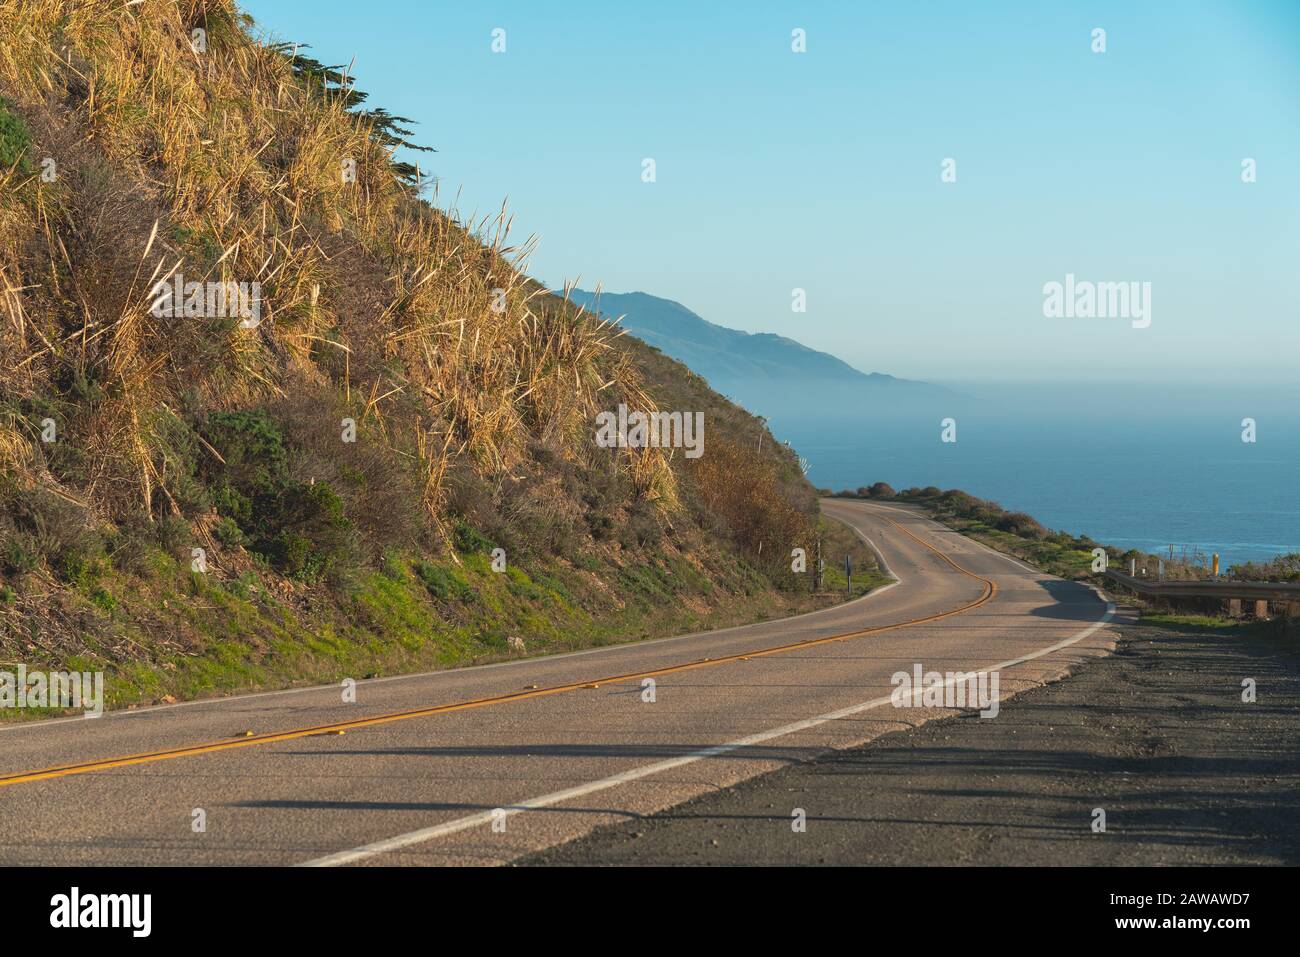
(759, 369)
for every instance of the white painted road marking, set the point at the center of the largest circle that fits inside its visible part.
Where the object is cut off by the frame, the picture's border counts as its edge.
(558, 797)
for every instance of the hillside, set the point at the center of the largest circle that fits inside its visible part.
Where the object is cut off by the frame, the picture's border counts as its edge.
(764, 371)
(266, 416)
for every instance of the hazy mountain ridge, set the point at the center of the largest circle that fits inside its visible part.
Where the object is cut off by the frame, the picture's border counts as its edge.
(756, 368)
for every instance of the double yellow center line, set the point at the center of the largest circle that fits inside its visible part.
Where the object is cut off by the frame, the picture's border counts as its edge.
(24, 777)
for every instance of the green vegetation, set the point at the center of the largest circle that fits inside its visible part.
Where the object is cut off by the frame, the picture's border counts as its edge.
(443, 583)
(1015, 533)
(1283, 568)
(864, 580)
(298, 527)
(1021, 535)
(14, 140)
(1283, 630)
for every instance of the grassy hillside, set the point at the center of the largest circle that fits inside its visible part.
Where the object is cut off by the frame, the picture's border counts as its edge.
(201, 499)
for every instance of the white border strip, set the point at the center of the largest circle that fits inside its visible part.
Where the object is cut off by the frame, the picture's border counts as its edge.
(558, 797)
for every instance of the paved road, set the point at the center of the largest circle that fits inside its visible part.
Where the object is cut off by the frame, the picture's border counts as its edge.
(500, 761)
(1157, 735)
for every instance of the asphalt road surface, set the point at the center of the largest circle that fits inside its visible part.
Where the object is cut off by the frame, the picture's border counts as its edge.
(1156, 735)
(486, 765)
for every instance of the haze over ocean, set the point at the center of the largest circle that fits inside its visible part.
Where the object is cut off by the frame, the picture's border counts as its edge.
(1129, 473)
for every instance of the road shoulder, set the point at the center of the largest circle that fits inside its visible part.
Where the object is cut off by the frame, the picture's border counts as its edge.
(1156, 735)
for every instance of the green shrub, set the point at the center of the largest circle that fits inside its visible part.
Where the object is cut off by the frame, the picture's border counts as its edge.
(1018, 523)
(75, 567)
(60, 531)
(14, 140)
(469, 540)
(380, 491)
(441, 583)
(308, 534)
(255, 461)
(391, 566)
(1283, 568)
(300, 528)
(227, 532)
(174, 535)
(102, 598)
(130, 544)
(233, 505)
(244, 587)
(18, 556)
(179, 448)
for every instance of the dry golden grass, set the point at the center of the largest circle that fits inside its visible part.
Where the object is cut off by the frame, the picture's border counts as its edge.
(234, 174)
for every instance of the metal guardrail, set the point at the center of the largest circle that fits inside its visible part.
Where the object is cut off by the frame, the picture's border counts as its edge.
(1249, 591)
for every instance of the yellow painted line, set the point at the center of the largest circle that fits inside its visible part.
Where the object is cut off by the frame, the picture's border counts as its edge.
(24, 777)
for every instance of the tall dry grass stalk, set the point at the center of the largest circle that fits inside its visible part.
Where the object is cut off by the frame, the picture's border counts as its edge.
(238, 165)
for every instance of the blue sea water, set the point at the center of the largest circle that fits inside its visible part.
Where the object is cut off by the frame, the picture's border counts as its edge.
(1130, 476)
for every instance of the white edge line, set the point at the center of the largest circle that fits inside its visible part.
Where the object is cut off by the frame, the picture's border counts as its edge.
(557, 797)
(952, 531)
(449, 672)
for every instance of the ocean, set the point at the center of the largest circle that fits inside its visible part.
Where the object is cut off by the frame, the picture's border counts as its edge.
(1130, 473)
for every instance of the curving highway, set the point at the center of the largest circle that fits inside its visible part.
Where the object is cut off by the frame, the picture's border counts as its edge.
(485, 765)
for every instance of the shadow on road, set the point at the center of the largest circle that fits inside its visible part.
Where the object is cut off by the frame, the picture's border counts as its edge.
(1072, 602)
(1158, 736)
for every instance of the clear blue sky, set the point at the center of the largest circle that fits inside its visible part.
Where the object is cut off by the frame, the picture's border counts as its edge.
(821, 170)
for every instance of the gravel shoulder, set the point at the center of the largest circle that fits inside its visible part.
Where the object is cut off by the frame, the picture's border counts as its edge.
(1155, 734)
